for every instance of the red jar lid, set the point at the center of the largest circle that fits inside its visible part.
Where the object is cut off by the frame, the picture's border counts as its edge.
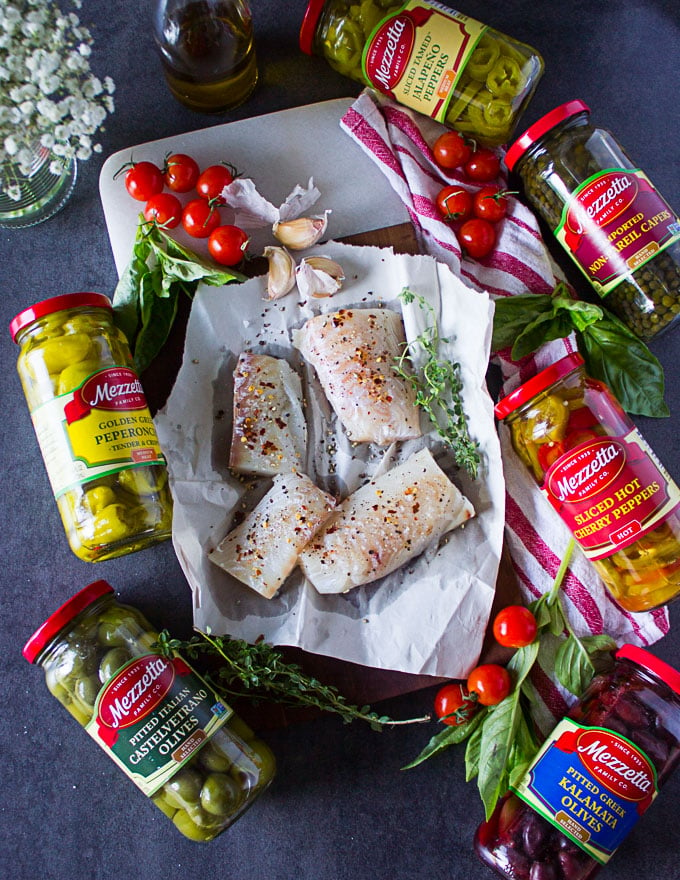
(309, 23)
(56, 304)
(537, 383)
(62, 616)
(536, 131)
(643, 658)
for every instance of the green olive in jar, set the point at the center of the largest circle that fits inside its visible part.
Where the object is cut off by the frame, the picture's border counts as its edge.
(106, 468)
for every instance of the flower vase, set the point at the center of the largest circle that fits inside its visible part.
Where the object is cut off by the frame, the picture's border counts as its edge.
(29, 195)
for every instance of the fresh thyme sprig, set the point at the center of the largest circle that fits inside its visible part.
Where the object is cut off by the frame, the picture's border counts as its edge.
(438, 388)
(260, 671)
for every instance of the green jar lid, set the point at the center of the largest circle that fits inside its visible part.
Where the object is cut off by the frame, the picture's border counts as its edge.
(536, 131)
(62, 617)
(56, 304)
(537, 383)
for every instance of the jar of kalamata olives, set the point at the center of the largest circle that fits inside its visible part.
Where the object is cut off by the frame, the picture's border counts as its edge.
(593, 778)
(428, 57)
(161, 723)
(606, 214)
(599, 474)
(96, 434)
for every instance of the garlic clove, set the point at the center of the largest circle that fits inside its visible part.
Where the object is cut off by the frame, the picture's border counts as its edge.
(319, 277)
(301, 233)
(281, 275)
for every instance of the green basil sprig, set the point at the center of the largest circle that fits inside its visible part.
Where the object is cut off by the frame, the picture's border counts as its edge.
(502, 740)
(146, 297)
(612, 353)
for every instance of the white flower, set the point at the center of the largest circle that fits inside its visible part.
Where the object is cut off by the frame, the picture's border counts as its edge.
(53, 99)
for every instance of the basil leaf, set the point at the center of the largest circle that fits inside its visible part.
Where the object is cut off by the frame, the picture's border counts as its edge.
(473, 751)
(450, 736)
(616, 356)
(573, 667)
(498, 734)
(158, 315)
(544, 329)
(513, 313)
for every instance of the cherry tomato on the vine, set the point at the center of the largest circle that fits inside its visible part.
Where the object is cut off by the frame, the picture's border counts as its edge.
(491, 203)
(213, 180)
(483, 165)
(490, 682)
(515, 626)
(181, 172)
(165, 209)
(199, 218)
(477, 237)
(452, 704)
(227, 245)
(454, 203)
(143, 180)
(451, 150)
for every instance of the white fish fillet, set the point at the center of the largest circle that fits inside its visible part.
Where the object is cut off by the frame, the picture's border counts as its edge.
(353, 352)
(383, 525)
(263, 550)
(269, 432)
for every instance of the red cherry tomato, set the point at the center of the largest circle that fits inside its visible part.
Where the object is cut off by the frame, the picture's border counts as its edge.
(491, 203)
(477, 237)
(452, 704)
(515, 627)
(454, 203)
(143, 180)
(213, 180)
(227, 245)
(483, 165)
(199, 218)
(451, 150)
(181, 172)
(490, 682)
(165, 209)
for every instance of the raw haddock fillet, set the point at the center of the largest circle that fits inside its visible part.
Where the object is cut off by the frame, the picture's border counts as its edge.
(269, 432)
(353, 352)
(383, 525)
(263, 550)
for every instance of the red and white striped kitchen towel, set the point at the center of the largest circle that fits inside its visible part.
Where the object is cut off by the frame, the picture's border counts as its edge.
(399, 142)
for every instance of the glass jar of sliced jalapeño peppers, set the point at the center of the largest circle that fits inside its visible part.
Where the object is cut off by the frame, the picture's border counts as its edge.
(602, 478)
(159, 721)
(430, 58)
(606, 214)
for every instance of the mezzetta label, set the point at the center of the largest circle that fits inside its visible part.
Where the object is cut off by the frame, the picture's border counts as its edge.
(592, 784)
(152, 715)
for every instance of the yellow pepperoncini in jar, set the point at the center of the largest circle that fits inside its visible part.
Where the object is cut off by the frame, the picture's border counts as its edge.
(599, 474)
(162, 724)
(96, 434)
(435, 60)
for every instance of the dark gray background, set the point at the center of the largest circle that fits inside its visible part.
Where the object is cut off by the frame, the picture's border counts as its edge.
(340, 807)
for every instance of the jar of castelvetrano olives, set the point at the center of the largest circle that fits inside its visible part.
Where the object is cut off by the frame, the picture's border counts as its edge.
(96, 434)
(593, 778)
(161, 723)
(604, 481)
(606, 214)
(428, 57)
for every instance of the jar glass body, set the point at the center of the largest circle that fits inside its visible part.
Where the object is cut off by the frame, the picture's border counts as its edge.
(599, 474)
(223, 772)
(629, 701)
(207, 51)
(29, 196)
(106, 469)
(479, 82)
(610, 220)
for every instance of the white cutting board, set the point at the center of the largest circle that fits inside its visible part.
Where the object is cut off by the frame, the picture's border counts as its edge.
(278, 151)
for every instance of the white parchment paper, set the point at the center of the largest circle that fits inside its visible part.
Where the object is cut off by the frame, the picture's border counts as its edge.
(429, 617)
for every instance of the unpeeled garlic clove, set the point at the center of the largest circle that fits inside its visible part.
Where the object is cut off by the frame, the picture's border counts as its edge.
(281, 275)
(319, 277)
(301, 233)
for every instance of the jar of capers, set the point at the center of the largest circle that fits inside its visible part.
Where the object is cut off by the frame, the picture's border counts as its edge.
(161, 723)
(430, 58)
(606, 214)
(96, 434)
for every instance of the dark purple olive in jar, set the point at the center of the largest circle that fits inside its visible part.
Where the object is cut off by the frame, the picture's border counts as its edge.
(629, 710)
(655, 749)
(543, 871)
(534, 835)
(514, 863)
(575, 864)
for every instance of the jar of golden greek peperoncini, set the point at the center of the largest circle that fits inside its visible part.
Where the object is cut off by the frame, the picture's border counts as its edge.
(601, 477)
(433, 59)
(160, 722)
(96, 434)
